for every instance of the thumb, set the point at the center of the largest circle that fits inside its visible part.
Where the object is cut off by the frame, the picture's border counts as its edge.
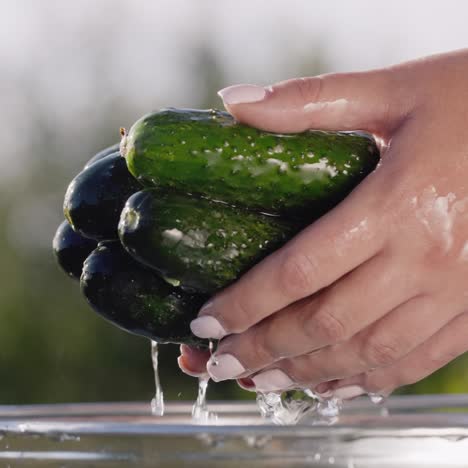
(372, 101)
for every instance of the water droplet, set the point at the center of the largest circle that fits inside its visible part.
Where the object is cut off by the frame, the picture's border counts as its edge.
(278, 148)
(376, 398)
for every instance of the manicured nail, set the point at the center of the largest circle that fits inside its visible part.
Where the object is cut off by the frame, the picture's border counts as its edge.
(324, 394)
(246, 383)
(323, 390)
(186, 370)
(207, 327)
(271, 380)
(243, 93)
(223, 367)
(346, 393)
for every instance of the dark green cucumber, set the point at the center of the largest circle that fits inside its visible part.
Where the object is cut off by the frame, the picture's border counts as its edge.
(136, 299)
(96, 196)
(71, 249)
(102, 154)
(201, 244)
(207, 152)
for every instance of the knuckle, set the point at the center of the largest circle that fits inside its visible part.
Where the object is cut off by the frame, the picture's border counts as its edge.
(238, 321)
(297, 274)
(309, 89)
(328, 326)
(260, 353)
(437, 359)
(380, 353)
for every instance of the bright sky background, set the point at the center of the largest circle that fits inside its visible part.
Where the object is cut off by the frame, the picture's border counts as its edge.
(77, 70)
(145, 47)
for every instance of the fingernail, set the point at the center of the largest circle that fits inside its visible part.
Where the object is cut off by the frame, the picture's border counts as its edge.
(346, 393)
(207, 327)
(186, 370)
(243, 93)
(246, 383)
(185, 349)
(324, 393)
(323, 390)
(271, 380)
(224, 366)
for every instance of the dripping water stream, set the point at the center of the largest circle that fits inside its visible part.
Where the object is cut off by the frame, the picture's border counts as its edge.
(157, 403)
(200, 412)
(286, 408)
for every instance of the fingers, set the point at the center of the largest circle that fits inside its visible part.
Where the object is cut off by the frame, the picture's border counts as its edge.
(379, 346)
(350, 234)
(328, 318)
(447, 344)
(192, 361)
(374, 101)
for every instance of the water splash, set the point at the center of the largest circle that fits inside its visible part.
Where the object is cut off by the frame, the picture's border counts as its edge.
(200, 412)
(288, 408)
(157, 403)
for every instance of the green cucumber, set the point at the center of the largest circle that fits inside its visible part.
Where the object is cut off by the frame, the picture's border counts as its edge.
(96, 196)
(102, 154)
(206, 152)
(71, 249)
(201, 244)
(136, 299)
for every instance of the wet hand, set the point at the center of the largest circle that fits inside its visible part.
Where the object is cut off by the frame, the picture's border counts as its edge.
(373, 295)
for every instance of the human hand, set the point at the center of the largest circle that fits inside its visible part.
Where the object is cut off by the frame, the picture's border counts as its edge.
(372, 295)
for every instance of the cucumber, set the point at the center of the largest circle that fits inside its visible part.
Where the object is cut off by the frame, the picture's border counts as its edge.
(71, 249)
(207, 152)
(102, 154)
(201, 244)
(136, 299)
(96, 196)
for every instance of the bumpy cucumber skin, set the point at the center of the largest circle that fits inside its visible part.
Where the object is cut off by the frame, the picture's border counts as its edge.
(207, 152)
(71, 249)
(135, 299)
(102, 154)
(95, 197)
(201, 244)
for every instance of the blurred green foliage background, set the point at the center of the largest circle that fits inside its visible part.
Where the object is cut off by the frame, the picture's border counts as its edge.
(72, 74)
